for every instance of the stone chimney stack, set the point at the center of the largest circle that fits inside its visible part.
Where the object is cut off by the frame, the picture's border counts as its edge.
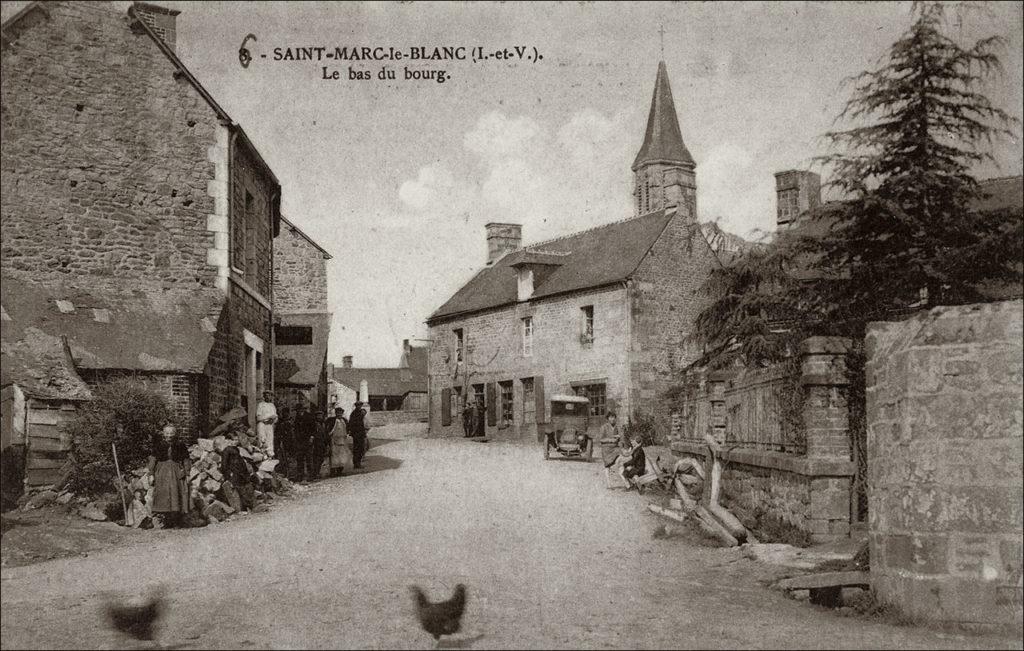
(346, 361)
(796, 192)
(501, 239)
(161, 20)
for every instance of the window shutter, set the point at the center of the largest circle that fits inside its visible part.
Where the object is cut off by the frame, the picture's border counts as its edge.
(540, 415)
(446, 407)
(492, 405)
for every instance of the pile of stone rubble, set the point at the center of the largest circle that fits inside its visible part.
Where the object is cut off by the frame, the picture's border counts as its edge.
(207, 484)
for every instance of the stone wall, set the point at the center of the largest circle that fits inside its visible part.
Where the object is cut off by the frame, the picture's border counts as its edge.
(382, 418)
(666, 298)
(799, 473)
(945, 462)
(300, 273)
(494, 354)
(226, 363)
(104, 162)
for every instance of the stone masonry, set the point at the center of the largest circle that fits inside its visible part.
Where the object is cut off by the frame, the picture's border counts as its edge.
(104, 162)
(666, 298)
(810, 491)
(300, 272)
(115, 172)
(494, 353)
(944, 414)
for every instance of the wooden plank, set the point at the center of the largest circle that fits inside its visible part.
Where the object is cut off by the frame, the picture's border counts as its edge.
(826, 580)
(41, 476)
(48, 444)
(36, 453)
(45, 417)
(668, 513)
(39, 463)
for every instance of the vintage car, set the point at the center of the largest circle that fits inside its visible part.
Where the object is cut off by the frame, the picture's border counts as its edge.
(567, 431)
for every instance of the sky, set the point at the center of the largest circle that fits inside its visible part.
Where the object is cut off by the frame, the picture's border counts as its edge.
(396, 179)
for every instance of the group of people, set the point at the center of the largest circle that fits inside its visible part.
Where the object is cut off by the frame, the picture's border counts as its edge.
(472, 416)
(301, 443)
(627, 456)
(304, 441)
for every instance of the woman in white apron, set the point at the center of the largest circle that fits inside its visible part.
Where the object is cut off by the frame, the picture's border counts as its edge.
(340, 454)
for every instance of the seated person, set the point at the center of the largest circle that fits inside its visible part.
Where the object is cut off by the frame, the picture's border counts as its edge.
(636, 464)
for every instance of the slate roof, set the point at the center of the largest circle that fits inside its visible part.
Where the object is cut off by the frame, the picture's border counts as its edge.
(592, 258)
(105, 328)
(1002, 193)
(301, 365)
(382, 381)
(663, 141)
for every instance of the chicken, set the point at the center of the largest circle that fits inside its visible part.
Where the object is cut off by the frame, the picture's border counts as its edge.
(444, 617)
(135, 620)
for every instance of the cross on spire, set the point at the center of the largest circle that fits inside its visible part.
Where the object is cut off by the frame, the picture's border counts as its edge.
(661, 36)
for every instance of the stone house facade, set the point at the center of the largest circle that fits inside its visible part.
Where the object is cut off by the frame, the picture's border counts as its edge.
(302, 320)
(124, 182)
(605, 312)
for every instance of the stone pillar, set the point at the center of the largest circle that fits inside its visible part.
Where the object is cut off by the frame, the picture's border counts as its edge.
(824, 378)
(717, 383)
(945, 461)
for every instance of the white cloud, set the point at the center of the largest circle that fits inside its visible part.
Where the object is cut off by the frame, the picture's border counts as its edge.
(497, 136)
(732, 189)
(433, 184)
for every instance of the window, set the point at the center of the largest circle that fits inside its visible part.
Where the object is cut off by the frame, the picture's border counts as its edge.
(597, 395)
(251, 220)
(528, 336)
(460, 344)
(529, 402)
(293, 335)
(506, 403)
(587, 323)
(788, 205)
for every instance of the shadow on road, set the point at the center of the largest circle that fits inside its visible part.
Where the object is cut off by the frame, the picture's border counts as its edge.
(374, 463)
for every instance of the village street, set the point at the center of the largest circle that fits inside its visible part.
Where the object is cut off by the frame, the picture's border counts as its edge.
(550, 557)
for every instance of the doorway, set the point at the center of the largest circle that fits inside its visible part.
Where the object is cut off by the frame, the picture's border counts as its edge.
(479, 427)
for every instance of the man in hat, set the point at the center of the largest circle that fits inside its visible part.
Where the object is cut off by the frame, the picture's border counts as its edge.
(357, 430)
(304, 431)
(266, 416)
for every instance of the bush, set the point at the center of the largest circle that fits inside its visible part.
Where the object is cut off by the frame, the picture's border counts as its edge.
(644, 426)
(127, 412)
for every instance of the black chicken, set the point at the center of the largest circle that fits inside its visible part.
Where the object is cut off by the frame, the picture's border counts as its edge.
(136, 621)
(444, 617)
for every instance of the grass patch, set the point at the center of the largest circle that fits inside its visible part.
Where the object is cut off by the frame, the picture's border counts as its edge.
(770, 528)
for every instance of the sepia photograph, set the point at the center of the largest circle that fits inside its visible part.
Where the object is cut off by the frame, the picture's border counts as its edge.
(508, 325)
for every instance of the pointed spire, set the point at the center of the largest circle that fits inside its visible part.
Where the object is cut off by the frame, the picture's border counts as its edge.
(663, 141)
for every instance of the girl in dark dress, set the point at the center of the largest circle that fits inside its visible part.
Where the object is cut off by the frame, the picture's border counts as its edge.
(169, 464)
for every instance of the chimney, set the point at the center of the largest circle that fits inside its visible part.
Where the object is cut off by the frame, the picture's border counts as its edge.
(159, 19)
(796, 192)
(346, 361)
(502, 238)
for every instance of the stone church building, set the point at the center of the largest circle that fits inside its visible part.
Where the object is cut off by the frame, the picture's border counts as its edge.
(605, 312)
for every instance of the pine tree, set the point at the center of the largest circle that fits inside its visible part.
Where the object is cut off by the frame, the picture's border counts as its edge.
(906, 228)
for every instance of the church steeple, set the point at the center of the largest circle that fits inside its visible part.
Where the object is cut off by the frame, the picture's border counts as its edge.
(663, 168)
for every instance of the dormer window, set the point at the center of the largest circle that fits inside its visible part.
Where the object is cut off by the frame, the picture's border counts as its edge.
(525, 286)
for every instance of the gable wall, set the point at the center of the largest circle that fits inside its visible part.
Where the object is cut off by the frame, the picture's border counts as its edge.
(105, 160)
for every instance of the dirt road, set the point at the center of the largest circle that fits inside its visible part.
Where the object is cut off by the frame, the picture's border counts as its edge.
(551, 558)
